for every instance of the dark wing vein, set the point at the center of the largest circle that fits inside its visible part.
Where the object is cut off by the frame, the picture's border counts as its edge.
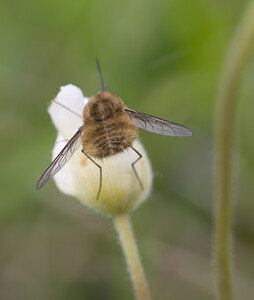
(61, 159)
(157, 125)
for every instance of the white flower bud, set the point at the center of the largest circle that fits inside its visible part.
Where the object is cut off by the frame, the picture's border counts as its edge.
(80, 177)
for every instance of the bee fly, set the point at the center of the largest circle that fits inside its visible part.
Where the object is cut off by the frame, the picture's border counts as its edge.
(109, 127)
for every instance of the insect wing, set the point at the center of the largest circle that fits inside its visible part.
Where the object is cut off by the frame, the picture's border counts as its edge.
(61, 159)
(157, 125)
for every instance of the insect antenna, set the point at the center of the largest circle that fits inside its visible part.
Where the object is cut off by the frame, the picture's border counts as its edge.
(100, 75)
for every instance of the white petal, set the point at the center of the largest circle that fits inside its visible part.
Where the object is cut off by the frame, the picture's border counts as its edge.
(64, 177)
(66, 110)
(121, 190)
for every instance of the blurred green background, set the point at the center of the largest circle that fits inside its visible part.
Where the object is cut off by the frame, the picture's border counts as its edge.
(162, 58)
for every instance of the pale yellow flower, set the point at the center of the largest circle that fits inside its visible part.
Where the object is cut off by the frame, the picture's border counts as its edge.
(121, 191)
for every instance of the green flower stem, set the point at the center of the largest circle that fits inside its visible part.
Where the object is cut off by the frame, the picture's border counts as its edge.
(128, 243)
(238, 54)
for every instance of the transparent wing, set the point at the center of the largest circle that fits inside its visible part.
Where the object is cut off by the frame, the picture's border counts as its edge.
(157, 125)
(61, 159)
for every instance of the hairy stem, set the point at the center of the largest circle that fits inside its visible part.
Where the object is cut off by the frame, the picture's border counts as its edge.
(239, 51)
(129, 246)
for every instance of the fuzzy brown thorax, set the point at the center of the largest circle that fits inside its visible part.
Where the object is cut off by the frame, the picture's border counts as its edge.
(107, 127)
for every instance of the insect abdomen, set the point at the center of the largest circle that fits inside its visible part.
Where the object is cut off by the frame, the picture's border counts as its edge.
(110, 137)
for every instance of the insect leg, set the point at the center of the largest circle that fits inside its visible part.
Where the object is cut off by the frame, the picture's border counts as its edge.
(99, 191)
(72, 111)
(61, 141)
(133, 167)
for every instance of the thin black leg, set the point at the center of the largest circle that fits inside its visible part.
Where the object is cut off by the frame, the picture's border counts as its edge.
(72, 111)
(133, 167)
(99, 191)
(61, 141)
